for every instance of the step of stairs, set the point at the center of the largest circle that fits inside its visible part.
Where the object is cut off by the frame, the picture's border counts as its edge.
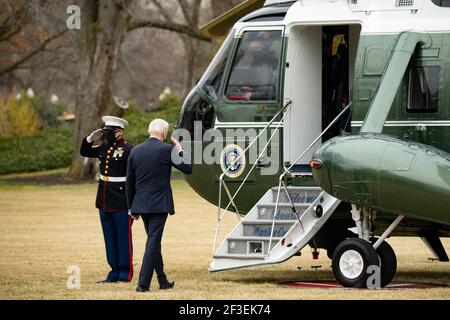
(300, 170)
(248, 243)
(263, 228)
(298, 194)
(266, 211)
(240, 256)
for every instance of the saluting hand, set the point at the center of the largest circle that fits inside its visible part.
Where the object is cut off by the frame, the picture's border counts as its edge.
(94, 136)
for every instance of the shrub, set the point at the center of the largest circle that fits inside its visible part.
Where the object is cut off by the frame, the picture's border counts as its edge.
(168, 100)
(53, 148)
(49, 149)
(23, 116)
(48, 112)
(18, 117)
(139, 120)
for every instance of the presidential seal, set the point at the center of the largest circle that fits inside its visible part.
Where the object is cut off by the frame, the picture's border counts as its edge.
(227, 158)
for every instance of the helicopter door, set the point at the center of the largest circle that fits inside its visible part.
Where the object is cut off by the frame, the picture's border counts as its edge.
(303, 86)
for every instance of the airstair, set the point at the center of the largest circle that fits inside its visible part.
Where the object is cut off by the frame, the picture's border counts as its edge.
(273, 232)
(280, 224)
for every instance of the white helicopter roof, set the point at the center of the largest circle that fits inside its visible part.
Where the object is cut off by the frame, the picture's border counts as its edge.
(375, 16)
(321, 12)
(381, 16)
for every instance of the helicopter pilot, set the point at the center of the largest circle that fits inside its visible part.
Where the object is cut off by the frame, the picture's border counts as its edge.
(264, 63)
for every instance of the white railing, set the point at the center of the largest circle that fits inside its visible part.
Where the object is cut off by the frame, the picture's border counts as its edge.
(282, 183)
(222, 183)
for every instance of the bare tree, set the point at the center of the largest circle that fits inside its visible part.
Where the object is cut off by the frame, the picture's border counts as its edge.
(190, 35)
(89, 57)
(16, 23)
(104, 26)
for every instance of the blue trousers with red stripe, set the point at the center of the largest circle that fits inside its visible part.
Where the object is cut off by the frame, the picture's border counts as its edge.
(118, 243)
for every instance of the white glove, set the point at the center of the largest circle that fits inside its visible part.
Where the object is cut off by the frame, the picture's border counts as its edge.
(96, 135)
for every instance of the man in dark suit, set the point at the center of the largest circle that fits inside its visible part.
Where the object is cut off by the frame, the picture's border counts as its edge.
(149, 195)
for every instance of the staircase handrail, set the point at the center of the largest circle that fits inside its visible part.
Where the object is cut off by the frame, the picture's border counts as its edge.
(286, 171)
(222, 183)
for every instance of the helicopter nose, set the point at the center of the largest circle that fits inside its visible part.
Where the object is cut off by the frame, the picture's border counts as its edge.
(321, 163)
(319, 171)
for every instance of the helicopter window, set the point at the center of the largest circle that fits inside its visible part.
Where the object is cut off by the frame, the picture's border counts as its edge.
(211, 80)
(442, 3)
(423, 89)
(255, 71)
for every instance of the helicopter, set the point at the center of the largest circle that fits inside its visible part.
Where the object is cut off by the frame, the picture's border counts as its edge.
(326, 123)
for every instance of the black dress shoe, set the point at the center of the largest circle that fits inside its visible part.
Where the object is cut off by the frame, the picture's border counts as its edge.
(142, 289)
(168, 285)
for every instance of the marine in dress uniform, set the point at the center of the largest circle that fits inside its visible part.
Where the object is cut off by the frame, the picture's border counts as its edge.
(111, 196)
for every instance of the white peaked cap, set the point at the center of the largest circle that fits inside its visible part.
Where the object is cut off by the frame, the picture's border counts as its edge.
(114, 122)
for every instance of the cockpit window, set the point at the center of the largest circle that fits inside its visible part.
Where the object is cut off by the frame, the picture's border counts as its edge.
(255, 71)
(211, 80)
(442, 3)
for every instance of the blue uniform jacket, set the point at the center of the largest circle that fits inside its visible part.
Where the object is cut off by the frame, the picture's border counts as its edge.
(113, 163)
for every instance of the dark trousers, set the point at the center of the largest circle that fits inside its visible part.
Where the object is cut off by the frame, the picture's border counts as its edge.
(118, 243)
(153, 261)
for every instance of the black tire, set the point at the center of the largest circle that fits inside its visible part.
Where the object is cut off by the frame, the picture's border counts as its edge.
(388, 263)
(368, 255)
(330, 252)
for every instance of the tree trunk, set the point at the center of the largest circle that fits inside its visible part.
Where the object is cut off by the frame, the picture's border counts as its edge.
(191, 45)
(104, 24)
(191, 49)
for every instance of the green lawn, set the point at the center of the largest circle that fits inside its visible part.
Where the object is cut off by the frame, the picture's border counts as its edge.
(46, 229)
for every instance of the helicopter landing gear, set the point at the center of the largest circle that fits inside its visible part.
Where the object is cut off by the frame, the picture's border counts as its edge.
(356, 260)
(388, 263)
(351, 262)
